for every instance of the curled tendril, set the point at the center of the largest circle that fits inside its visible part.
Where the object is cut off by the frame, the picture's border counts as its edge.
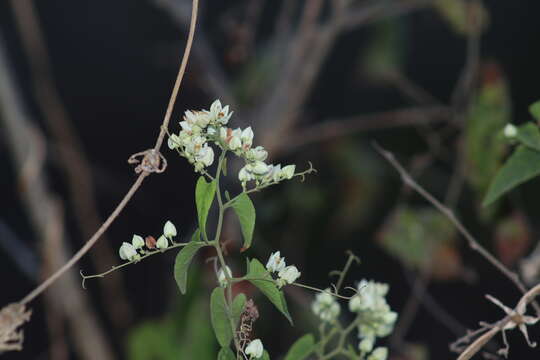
(152, 161)
(303, 174)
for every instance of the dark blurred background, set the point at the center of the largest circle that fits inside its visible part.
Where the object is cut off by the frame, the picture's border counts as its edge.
(432, 81)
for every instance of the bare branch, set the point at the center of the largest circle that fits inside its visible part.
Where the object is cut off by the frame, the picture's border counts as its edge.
(473, 243)
(331, 129)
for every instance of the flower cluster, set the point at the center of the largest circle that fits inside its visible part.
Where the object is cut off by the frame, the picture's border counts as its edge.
(286, 274)
(375, 317)
(325, 306)
(199, 128)
(133, 251)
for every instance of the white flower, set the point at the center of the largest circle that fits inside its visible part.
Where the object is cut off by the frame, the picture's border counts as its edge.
(380, 353)
(510, 131)
(325, 306)
(173, 142)
(288, 171)
(366, 344)
(259, 168)
(289, 274)
(219, 113)
(205, 155)
(127, 252)
(274, 174)
(137, 242)
(255, 349)
(232, 138)
(244, 175)
(162, 242)
(275, 263)
(257, 153)
(247, 138)
(199, 118)
(370, 304)
(187, 127)
(169, 230)
(371, 296)
(222, 278)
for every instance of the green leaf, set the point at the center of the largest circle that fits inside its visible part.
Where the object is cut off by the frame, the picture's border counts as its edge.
(302, 348)
(196, 236)
(529, 135)
(534, 109)
(238, 305)
(226, 354)
(246, 214)
(204, 195)
(218, 315)
(181, 264)
(490, 111)
(267, 287)
(523, 165)
(265, 355)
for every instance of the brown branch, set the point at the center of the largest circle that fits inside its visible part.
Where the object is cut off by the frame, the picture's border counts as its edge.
(73, 160)
(28, 147)
(471, 350)
(473, 243)
(331, 129)
(88, 245)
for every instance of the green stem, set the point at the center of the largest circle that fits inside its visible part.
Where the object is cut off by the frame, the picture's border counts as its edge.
(154, 252)
(217, 245)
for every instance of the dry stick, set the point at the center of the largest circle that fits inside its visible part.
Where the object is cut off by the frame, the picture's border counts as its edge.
(83, 250)
(73, 162)
(473, 243)
(471, 350)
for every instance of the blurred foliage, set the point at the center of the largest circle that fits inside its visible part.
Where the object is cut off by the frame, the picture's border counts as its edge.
(384, 54)
(420, 238)
(512, 239)
(454, 12)
(489, 112)
(169, 338)
(255, 77)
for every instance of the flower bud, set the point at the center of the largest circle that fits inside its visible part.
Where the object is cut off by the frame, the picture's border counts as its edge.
(510, 131)
(247, 137)
(205, 155)
(255, 349)
(169, 230)
(137, 241)
(127, 252)
(288, 171)
(173, 142)
(244, 175)
(162, 242)
(380, 353)
(222, 278)
(259, 168)
(289, 274)
(366, 345)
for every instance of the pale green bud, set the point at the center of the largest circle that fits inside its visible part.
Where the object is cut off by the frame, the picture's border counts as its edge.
(162, 242)
(137, 241)
(169, 230)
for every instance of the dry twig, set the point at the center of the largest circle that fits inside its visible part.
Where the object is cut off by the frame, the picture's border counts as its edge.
(473, 243)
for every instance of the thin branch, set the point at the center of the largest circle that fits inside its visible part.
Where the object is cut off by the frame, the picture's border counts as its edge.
(73, 160)
(330, 129)
(471, 350)
(34, 293)
(473, 243)
(46, 217)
